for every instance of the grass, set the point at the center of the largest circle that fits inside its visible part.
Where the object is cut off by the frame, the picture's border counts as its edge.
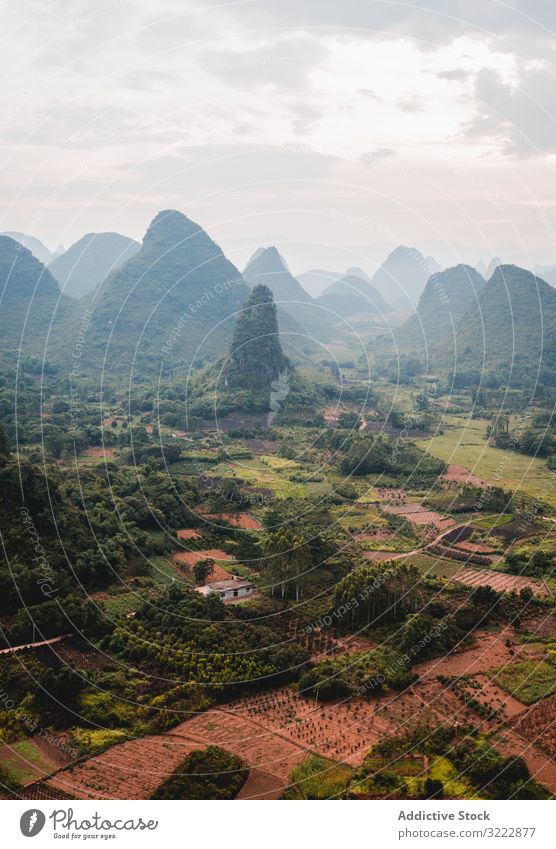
(489, 522)
(438, 567)
(257, 473)
(528, 680)
(318, 778)
(24, 760)
(463, 442)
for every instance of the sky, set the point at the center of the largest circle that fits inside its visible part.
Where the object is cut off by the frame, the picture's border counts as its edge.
(335, 129)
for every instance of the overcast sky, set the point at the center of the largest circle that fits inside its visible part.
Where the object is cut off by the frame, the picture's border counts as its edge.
(335, 129)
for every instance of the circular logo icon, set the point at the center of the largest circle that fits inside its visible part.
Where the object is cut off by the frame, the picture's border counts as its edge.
(32, 822)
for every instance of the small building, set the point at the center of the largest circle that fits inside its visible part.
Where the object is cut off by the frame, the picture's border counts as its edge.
(228, 590)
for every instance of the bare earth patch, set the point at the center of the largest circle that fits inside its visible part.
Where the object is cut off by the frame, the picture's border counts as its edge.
(459, 474)
(419, 515)
(188, 533)
(98, 451)
(192, 557)
(236, 520)
(499, 581)
(488, 651)
(538, 724)
(380, 556)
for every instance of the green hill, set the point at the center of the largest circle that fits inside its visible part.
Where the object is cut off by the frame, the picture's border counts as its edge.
(508, 337)
(37, 248)
(83, 266)
(32, 309)
(173, 302)
(447, 297)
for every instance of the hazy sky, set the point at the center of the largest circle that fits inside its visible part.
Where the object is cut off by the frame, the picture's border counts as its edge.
(335, 129)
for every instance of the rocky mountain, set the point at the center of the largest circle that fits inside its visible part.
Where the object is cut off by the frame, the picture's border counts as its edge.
(255, 377)
(37, 248)
(268, 268)
(173, 302)
(86, 263)
(447, 297)
(255, 357)
(353, 296)
(402, 277)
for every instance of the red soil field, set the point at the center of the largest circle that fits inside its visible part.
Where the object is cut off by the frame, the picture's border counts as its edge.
(237, 520)
(488, 651)
(499, 581)
(543, 626)
(541, 767)
(131, 770)
(380, 556)
(538, 724)
(192, 557)
(98, 451)
(475, 547)
(218, 572)
(419, 515)
(188, 533)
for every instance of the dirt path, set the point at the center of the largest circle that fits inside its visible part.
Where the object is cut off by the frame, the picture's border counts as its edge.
(36, 645)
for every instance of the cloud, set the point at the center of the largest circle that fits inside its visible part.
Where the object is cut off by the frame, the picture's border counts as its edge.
(286, 63)
(371, 157)
(453, 75)
(430, 20)
(521, 118)
(231, 166)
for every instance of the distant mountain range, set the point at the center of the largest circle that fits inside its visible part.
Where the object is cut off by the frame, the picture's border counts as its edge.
(88, 262)
(174, 299)
(39, 251)
(353, 295)
(268, 268)
(547, 272)
(402, 277)
(317, 280)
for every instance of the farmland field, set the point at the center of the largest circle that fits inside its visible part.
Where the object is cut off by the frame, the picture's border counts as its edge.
(528, 681)
(463, 443)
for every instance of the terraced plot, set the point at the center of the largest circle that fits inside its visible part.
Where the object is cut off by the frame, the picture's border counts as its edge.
(131, 770)
(499, 581)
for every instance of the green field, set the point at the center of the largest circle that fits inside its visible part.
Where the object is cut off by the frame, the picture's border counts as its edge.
(463, 442)
(24, 760)
(528, 681)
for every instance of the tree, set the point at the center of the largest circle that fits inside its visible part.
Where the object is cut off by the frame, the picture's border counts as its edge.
(4, 447)
(202, 569)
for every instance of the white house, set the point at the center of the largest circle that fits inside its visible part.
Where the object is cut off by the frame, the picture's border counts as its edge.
(228, 590)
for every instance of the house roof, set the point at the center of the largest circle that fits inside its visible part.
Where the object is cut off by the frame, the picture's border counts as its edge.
(220, 586)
